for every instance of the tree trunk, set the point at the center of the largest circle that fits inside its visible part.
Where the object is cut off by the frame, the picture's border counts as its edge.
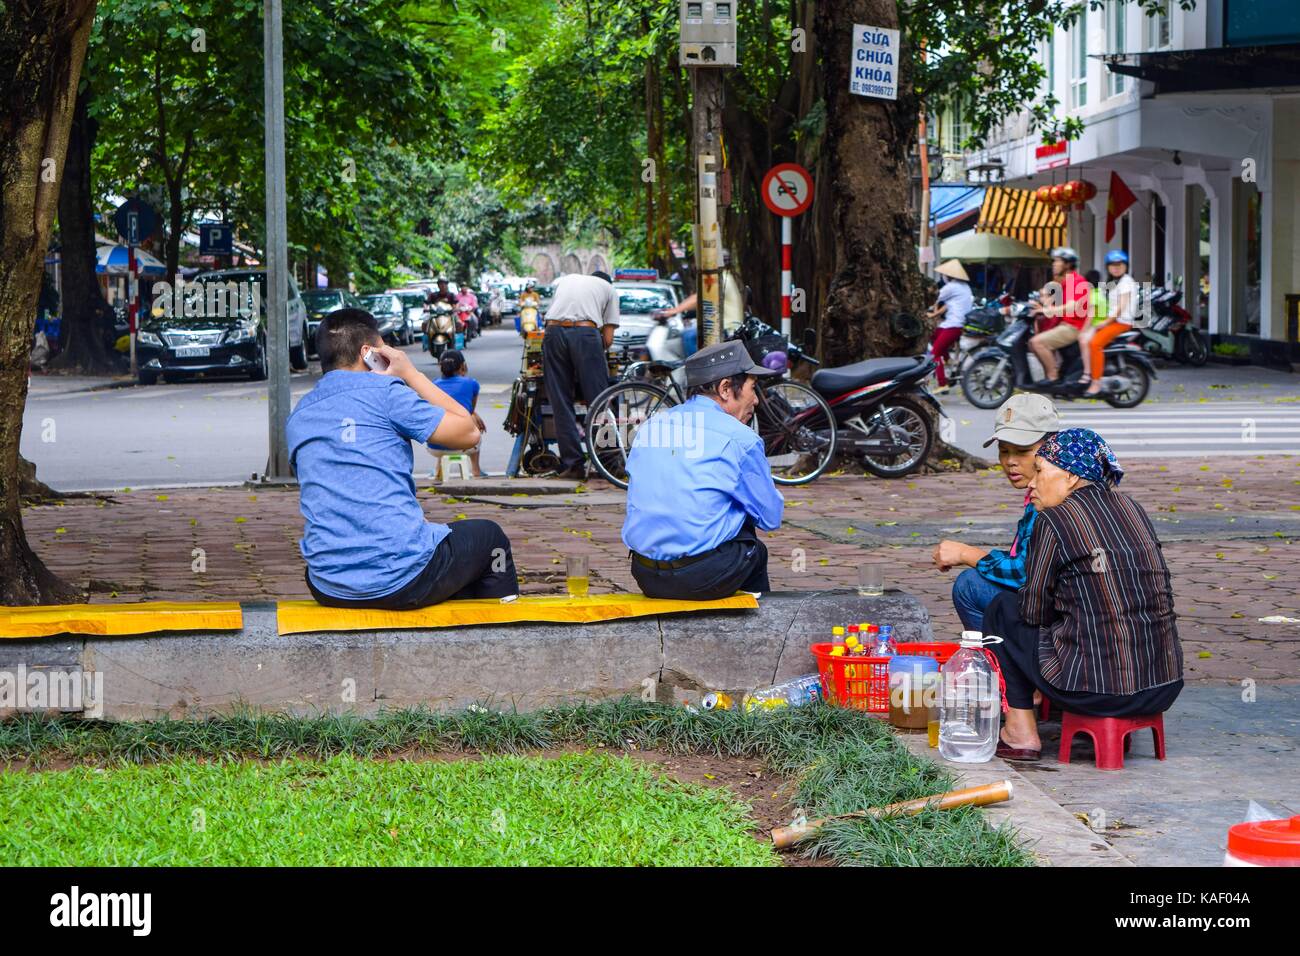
(85, 310)
(866, 177)
(43, 44)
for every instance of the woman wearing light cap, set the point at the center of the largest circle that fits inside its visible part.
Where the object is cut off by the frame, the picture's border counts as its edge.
(1093, 626)
(954, 303)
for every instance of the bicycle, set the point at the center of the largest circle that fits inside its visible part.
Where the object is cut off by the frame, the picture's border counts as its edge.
(795, 423)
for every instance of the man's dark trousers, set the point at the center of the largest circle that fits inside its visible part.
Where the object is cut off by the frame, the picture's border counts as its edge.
(572, 356)
(736, 565)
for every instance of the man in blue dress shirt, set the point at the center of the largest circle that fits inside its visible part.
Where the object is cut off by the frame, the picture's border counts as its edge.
(699, 485)
(367, 542)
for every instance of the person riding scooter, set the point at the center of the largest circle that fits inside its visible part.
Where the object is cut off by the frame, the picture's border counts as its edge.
(1121, 307)
(467, 311)
(1066, 302)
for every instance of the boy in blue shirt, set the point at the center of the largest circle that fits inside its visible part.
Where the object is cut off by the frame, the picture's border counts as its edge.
(456, 382)
(1023, 422)
(367, 543)
(699, 484)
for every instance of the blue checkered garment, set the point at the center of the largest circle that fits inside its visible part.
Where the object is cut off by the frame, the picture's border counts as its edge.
(1007, 568)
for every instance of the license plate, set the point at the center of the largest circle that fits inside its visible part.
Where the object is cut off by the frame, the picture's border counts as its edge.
(193, 351)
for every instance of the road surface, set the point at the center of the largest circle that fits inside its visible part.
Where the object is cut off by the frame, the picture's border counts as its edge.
(85, 436)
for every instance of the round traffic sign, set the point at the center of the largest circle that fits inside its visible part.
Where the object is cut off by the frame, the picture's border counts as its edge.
(787, 189)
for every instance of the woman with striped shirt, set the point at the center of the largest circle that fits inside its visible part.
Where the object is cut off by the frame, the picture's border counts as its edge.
(1093, 626)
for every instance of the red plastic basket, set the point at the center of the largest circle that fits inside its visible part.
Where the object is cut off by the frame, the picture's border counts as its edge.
(863, 682)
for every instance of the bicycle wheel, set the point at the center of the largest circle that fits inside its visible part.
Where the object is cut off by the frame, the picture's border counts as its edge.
(612, 420)
(798, 431)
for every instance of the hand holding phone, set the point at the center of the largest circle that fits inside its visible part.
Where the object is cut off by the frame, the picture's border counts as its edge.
(374, 361)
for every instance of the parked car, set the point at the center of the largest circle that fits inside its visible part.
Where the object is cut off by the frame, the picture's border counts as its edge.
(219, 331)
(637, 301)
(390, 312)
(413, 301)
(320, 303)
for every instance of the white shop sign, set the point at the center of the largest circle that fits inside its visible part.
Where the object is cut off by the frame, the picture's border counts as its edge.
(873, 68)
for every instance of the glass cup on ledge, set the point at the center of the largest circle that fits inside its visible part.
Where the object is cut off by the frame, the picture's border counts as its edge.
(577, 575)
(871, 579)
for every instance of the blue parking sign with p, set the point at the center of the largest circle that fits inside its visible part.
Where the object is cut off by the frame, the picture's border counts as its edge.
(216, 239)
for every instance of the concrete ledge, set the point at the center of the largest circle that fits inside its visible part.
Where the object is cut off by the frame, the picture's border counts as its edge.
(522, 665)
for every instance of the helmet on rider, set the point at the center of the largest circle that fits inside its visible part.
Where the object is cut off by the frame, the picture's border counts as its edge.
(1116, 255)
(1065, 254)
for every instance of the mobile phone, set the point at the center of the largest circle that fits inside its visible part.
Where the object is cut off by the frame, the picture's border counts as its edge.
(374, 361)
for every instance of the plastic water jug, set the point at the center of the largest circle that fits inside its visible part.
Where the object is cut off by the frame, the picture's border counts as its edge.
(970, 715)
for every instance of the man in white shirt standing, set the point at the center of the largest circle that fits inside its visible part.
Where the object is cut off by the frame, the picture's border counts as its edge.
(580, 326)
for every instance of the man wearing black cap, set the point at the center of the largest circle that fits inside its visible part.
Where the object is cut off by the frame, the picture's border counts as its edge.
(580, 326)
(699, 485)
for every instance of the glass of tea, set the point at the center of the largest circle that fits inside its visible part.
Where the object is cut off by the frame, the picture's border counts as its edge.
(577, 575)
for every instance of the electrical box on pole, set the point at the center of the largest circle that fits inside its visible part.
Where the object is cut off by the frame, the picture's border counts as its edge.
(708, 32)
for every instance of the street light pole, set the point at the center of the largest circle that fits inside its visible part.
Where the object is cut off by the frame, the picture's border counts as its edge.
(277, 245)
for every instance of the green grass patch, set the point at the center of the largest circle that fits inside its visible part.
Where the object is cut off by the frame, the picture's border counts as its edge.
(577, 809)
(837, 760)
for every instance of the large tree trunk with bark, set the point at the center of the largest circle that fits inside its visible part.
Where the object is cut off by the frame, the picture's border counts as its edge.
(85, 311)
(43, 45)
(868, 181)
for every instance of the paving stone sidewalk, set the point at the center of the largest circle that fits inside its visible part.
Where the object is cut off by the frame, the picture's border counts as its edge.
(1230, 528)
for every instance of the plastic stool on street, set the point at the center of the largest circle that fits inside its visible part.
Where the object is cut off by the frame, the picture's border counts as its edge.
(458, 462)
(1109, 736)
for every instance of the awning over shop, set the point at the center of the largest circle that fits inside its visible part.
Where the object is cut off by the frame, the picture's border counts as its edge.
(1015, 213)
(954, 208)
(1220, 68)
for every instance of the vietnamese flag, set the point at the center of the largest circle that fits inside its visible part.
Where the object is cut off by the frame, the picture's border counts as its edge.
(1118, 199)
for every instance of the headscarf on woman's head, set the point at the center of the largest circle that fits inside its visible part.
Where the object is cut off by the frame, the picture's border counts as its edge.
(1082, 452)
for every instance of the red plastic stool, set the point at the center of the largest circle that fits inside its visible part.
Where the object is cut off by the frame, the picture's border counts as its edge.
(1110, 736)
(1045, 708)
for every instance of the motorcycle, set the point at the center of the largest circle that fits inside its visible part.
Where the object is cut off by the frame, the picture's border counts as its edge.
(982, 325)
(1171, 334)
(467, 322)
(881, 418)
(997, 371)
(528, 319)
(439, 329)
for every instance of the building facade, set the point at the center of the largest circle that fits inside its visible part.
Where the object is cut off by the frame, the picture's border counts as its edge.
(1198, 112)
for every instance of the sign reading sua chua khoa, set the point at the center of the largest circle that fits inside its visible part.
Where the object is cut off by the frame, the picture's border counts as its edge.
(873, 70)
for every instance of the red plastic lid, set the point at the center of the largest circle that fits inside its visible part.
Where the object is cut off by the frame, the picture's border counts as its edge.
(1266, 838)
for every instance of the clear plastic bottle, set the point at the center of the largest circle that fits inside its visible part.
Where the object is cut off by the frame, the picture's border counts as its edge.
(837, 636)
(790, 693)
(970, 716)
(884, 641)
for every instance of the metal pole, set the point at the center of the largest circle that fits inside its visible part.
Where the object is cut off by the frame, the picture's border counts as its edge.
(132, 302)
(786, 282)
(277, 245)
(707, 109)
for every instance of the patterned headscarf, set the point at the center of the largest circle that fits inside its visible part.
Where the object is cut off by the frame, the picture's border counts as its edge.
(1082, 452)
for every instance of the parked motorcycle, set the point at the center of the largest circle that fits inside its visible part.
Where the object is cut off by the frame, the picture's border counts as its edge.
(1170, 332)
(997, 371)
(439, 329)
(881, 419)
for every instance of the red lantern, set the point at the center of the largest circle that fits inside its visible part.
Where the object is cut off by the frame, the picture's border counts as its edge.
(1089, 190)
(1074, 191)
(1058, 195)
(1043, 194)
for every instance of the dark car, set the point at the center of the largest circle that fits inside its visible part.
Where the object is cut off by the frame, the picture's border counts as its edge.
(320, 303)
(215, 323)
(390, 312)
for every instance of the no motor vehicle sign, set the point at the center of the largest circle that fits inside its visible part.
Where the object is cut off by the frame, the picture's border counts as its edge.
(873, 68)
